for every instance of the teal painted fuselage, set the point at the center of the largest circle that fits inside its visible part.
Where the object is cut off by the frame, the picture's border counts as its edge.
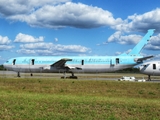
(86, 64)
(79, 63)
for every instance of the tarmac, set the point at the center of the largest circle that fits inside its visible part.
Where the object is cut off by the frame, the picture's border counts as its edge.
(81, 76)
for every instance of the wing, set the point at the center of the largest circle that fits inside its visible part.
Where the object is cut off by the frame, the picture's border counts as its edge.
(61, 63)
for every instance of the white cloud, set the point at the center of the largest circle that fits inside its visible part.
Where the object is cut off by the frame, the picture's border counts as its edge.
(100, 44)
(138, 23)
(37, 46)
(37, 52)
(51, 49)
(155, 40)
(4, 40)
(71, 48)
(142, 22)
(5, 43)
(152, 47)
(11, 8)
(127, 39)
(154, 43)
(6, 47)
(118, 52)
(70, 14)
(157, 56)
(51, 14)
(27, 38)
(63, 13)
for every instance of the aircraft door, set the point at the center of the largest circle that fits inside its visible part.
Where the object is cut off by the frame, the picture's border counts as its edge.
(14, 67)
(31, 65)
(32, 61)
(117, 60)
(14, 62)
(114, 61)
(82, 62)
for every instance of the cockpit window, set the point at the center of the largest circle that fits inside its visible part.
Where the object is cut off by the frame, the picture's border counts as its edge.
(144, 65)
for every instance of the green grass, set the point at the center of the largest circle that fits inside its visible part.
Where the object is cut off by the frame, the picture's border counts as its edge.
(26, 98)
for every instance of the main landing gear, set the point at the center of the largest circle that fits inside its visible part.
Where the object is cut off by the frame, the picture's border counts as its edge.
(149, 77)
(70, 77)
(18, 74)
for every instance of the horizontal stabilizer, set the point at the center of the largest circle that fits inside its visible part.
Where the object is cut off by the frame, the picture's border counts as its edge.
(141, 59)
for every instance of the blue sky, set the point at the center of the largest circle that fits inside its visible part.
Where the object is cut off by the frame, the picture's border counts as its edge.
(77, 27)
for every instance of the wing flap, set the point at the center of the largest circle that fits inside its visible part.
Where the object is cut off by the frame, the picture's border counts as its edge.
(73, 68)
(61, 64)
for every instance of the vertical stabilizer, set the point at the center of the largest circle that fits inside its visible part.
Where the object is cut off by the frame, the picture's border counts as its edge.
(137, 49)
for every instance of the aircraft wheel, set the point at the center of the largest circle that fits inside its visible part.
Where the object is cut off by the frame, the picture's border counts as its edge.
(73, 77)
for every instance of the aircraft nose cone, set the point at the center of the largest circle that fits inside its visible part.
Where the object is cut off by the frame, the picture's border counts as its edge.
(5, 65)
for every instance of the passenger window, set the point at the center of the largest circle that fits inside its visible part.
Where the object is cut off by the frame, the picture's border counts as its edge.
(154, 66)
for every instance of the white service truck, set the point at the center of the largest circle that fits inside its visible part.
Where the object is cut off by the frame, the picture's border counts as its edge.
(124, 78)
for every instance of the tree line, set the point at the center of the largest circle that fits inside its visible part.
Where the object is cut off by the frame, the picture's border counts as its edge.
(128, 70)
(1, 67)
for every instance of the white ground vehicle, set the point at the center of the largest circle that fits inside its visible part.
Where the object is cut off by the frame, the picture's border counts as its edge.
(124, 78)
(141, 80)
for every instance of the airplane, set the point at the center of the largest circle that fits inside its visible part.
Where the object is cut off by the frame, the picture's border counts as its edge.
(79, 64)
(150, 68)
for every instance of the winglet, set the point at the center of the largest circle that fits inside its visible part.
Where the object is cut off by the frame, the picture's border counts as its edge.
(137, 49)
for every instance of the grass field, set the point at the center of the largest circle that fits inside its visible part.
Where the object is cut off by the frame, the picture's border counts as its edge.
(64, 99)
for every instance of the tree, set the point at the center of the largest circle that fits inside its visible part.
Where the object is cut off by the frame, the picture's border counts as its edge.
(1, 67)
